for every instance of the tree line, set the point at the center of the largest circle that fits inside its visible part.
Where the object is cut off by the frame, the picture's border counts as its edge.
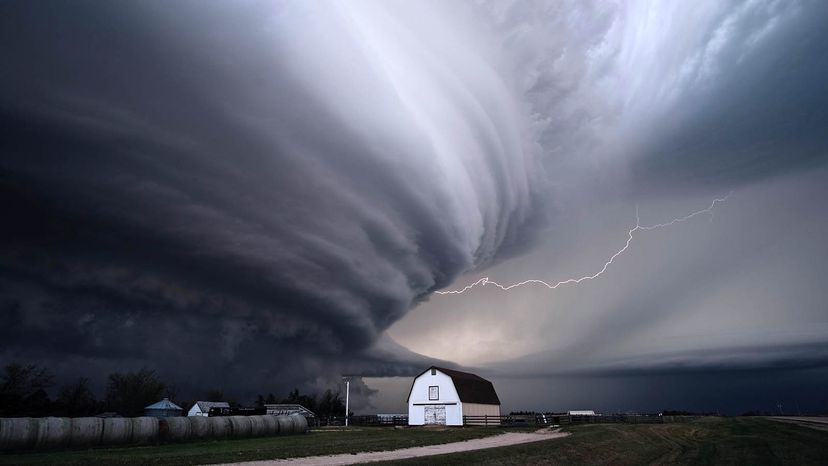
(24, 392)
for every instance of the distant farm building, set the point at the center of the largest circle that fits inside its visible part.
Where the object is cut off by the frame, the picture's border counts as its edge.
(164, 408)
(202, 408)
(288, 409)
(445, 396)
(582, 413)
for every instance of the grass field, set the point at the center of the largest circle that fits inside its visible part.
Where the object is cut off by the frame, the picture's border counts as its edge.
(317, 442)
(748, 441)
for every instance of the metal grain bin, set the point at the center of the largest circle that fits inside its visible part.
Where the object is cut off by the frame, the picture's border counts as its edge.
(300, 424)
(116, 431)
(200, 427)
(86, 431)
(53, 432)
(144, 430)
(241, 426)
(163, 408)
(175, 429)
(285, 425)
(17, 433)
(220, 427)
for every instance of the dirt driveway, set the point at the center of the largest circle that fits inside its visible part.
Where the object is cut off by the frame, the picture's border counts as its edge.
(502, 440)
(814, 422)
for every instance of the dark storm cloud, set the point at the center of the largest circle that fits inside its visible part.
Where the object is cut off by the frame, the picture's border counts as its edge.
(665, 106)
(757, 108)
(241, 193)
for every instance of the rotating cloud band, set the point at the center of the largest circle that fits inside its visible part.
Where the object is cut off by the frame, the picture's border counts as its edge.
(638, 227)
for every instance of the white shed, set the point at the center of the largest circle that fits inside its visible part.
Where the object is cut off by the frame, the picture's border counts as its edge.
(202, 408)
(444, 396)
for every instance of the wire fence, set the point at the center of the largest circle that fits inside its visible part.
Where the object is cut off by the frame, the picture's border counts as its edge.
(512, 420)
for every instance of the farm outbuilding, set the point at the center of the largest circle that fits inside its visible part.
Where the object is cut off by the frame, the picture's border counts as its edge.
(446, 396)
(164, 408)
(202, 408)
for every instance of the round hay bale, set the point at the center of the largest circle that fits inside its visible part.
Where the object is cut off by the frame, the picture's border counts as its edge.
(144, 430)
(300, 424)
(200, 427)
(116, 431)
(241, 427)
(271, 425)
(220, 427)
(53, 432)
(258, 428)
(175, 429)
(285, 425)
(17, 433)
(86, 431)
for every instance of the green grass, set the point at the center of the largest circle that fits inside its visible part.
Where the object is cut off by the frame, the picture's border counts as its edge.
(747, 441)
(316, 442)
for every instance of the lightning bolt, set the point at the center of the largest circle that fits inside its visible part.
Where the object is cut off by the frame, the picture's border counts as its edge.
(638, 227)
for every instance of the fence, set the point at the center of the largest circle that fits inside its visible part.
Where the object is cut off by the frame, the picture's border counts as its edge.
(517, 420)
(370, 420)
(513, 420)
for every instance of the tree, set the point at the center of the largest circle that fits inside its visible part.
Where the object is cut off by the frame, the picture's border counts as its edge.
(129, 393)
(271, 400)
(76, 399)
(331, 404)
(171, 392)
(260, 401)
(23, 391)
(308, 401)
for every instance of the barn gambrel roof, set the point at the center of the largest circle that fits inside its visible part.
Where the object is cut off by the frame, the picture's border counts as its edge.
(470, 388)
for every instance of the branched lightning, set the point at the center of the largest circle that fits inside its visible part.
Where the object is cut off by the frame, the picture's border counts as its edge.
(638, 227)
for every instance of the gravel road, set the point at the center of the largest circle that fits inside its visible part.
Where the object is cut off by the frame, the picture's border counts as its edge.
(502, 440)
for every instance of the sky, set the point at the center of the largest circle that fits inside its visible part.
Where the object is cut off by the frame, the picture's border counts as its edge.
(257, 196)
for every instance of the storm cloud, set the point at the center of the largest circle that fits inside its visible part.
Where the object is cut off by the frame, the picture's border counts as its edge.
(265, 194)
(254, 184)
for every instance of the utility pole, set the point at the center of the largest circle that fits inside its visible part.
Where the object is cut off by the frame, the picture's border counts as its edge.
(347, 397)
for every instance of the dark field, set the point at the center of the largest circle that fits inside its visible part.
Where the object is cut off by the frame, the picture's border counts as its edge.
(317, 442)
(748, 441)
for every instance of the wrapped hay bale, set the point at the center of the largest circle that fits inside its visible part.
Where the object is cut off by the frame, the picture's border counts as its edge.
(175, 429)
(18, 433)
(144, 430)
(86, 432)
(53, 432)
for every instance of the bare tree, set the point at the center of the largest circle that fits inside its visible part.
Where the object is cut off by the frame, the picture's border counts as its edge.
(129, 393)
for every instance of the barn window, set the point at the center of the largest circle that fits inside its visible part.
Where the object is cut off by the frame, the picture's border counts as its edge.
(433, 392)
(433, 371)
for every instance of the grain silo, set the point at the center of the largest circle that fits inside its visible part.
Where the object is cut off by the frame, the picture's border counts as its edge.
(164, 408)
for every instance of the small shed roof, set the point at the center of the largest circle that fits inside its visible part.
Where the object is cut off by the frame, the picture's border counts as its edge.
(287, 409)
(470, 388)
(164, 404)
(205, 406)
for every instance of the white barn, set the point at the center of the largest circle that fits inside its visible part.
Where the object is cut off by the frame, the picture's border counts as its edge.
(444, 396)
(202, 408)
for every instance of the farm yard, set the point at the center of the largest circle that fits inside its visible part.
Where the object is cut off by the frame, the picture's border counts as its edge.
(703, 441)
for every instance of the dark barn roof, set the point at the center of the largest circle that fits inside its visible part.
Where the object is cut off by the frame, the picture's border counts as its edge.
(470, 388)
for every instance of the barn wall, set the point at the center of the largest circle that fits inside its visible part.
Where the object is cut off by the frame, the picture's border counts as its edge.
(419, 397)
(477, 409)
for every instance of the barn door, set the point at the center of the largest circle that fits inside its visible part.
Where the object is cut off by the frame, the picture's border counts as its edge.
(435, 414)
